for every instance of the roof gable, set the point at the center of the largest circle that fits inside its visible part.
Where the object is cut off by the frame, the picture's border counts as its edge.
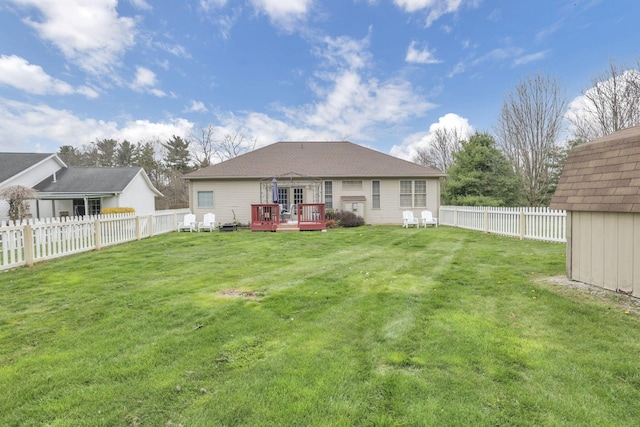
(14, 164)
(317, 159)
(602, 175)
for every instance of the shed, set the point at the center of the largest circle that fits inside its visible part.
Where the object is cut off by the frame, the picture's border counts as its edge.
(600, 190)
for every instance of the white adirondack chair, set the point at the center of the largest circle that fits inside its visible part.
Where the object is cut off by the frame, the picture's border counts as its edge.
(408, 219)
(188, 223)
(208, 222)
(428, 219)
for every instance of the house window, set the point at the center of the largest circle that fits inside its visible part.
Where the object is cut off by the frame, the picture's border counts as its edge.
(328, 194)
(205, 199)
(297, 195)
(283, 197)
(94, 206)
(375, 194)
(413, 194)
(352, 185)
(420, 194)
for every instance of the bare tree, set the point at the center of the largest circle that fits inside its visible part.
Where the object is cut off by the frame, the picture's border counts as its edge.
(18, 196)
(442, 147)
(204, 144)
(528, 129)
(209, 146)
(234, 144)
(609, 105)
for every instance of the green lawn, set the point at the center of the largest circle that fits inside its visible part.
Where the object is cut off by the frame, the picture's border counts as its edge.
(372, 326)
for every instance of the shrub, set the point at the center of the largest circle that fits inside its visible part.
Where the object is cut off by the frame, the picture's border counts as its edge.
(330, 215)
(331, 223)
(110, 211)
(348, 219)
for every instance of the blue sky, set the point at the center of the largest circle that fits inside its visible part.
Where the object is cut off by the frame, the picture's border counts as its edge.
(381, 73)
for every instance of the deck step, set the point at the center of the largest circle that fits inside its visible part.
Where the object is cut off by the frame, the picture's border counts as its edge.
(287, 228)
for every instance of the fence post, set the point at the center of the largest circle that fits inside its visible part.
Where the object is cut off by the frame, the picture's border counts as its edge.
(97, 234)
(28, 244)
(455, 217)
(138, 230)
(150, 225)
(486, 220)
(522, 225)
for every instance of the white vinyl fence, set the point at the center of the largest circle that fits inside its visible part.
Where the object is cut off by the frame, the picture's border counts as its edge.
(525, 223)
(38, 240)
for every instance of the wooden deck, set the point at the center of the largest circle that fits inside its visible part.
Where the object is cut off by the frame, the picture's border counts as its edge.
(308, 217)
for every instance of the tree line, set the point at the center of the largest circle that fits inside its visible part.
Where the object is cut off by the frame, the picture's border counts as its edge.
(165, 162)
(520, 164)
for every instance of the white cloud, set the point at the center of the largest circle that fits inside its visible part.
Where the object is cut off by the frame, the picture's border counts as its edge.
(196, 107)
(212, 4)
(420, 56)
(284, 14)
(344, 52)
(530, 58)
(20, 74)
(27, 126)
(88, 33)
(450, 121)
(348, 103)
(435, 8)
(499, 54)
(141, 4)
(145, 81)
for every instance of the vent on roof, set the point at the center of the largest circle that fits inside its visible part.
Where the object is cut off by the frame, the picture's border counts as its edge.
(54, 177)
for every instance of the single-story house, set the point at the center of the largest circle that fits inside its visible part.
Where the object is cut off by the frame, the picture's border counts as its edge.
(600, 190)
(342, 175)
(68, 191)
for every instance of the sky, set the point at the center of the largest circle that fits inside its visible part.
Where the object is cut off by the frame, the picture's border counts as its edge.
(381, 73)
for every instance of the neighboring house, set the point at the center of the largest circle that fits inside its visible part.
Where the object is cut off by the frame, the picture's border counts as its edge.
(75, 191)
(342, 175)
(600, 190)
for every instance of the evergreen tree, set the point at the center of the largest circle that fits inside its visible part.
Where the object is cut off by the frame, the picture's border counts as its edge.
(177, 156)
(481, 176)
(70, 155)
(125, 154)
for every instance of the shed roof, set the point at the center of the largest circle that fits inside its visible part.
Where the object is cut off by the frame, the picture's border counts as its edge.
(602, 175)
(322, 159)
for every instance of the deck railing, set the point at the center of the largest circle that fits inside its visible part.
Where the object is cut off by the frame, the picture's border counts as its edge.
(33, 240)
(308, 216)
(537, 223)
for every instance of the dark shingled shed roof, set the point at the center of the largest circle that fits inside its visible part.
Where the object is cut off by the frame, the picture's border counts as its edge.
(94, 180)
(317, 159)
(602, 175)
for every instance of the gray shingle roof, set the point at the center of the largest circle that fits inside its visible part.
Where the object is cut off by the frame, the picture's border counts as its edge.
(11, 164)
(602, 175)
(94, 180)
(315, 159)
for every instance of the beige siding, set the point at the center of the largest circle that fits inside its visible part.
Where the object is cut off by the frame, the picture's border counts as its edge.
(605, 250)
(228, 197)
(238, 195)
(390, 211)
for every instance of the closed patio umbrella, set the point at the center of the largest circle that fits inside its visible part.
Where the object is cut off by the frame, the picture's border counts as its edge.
(274, 184)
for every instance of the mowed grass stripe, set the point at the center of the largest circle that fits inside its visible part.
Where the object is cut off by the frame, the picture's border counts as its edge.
(366, 326)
